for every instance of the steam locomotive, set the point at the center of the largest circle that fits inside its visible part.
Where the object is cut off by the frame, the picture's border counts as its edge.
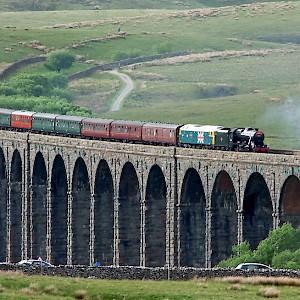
(180, 135)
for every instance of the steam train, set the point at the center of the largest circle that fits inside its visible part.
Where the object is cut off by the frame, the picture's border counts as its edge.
(180, 135)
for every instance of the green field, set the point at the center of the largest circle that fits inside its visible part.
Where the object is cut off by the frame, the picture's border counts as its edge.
(18, 286)
(243, 69)
(34, 5)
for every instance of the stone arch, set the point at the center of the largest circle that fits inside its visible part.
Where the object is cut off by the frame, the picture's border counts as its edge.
(257, 210)
(129, 216)
(39, 208)
(104, 215)
(3, 207)
(224, 225)
(192, 216)
(289, 203)
(16, 208)
(80, 214)
(155, 218)
(59, 212)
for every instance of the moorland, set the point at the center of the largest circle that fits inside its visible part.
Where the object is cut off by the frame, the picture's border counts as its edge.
(242, 67)
(242, 70)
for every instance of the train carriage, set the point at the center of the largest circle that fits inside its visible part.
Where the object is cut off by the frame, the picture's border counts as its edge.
(160, 133)
(97, 128)
(43, 122)
(189, 135)
(130, 131)
(5, 117)
(22, 120)
(68, 125)
(201, 136)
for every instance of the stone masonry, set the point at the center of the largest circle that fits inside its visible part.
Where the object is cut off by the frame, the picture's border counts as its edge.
(78, 201)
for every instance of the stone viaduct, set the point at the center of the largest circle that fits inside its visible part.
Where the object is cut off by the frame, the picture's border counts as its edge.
(75, 201)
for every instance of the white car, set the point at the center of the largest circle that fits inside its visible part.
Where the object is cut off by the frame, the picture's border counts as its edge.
(253, 266)
(35, 262)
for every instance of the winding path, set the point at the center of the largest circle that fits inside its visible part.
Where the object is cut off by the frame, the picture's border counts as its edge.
(128, 87)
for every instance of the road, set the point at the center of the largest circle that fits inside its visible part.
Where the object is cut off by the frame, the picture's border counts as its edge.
(128, 87)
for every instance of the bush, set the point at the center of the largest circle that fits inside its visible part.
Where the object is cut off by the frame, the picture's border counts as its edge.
(281, 250)
(279, 240)
(163, 47)
(287, 260)
(36, 85)
(241, 254)
(217, 91)
(43, 104)
(62, 94)
(7, 90)
(58, 80)
(120, 55)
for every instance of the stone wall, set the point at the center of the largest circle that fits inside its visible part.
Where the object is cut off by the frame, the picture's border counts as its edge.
(104, 67)
(19, 64)
(123, 63)
(141, 273)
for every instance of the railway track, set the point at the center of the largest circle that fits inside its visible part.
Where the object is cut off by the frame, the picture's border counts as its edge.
(284, 152)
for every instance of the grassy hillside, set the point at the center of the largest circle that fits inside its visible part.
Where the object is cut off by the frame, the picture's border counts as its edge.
(242, 71)
(36, 5)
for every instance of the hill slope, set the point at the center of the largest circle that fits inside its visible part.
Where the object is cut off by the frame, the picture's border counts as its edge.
(242, 70)
(35, 5)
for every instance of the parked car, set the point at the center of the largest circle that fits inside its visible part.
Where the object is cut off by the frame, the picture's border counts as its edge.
(35, 262)
(253, 266)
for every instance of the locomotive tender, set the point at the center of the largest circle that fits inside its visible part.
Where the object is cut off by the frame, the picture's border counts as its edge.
(181, 135)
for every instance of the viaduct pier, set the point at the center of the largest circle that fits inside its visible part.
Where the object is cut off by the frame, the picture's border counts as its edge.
(77, 201)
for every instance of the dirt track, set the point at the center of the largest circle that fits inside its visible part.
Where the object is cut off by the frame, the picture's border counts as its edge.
(128, 87)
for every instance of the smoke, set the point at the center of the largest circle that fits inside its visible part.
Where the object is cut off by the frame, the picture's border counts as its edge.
(283, 122)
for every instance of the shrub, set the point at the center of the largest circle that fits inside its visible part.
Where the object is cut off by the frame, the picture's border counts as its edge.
(7, 90)
(163, 47)
(62, 94)
(241, 254)
(120, 55)
(36, 85)
(43, 104)
(283, 238)
(281, 249)
(217, 91)
(58, 80)
(287, 260)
